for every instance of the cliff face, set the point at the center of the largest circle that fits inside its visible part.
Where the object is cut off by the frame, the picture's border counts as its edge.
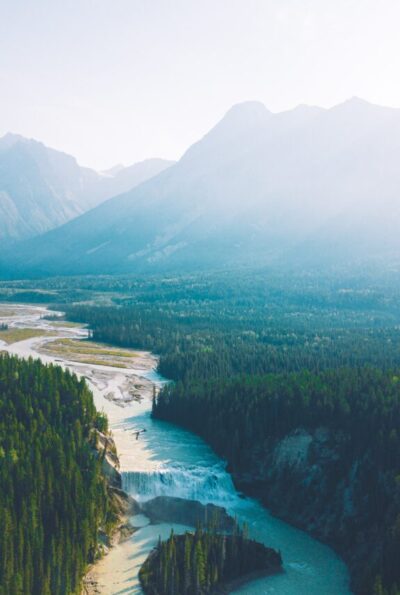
(107, 451)
(117, 527)
(122, 506)
(307, 479)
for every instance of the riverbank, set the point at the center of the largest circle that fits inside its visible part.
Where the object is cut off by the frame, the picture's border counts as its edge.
(124, 507)
(166, 460)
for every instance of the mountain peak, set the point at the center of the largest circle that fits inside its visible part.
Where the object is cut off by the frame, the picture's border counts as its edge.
(243, 116)
(355, 100)
(239, 121)
(354, 103)
(247, 112)
(359, 109)
(12, 136)
(10, 139)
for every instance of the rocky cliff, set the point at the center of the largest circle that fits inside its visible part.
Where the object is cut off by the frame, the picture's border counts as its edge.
(296, 477)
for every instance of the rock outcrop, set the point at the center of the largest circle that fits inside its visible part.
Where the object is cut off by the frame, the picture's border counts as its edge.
(187, 512)
(306, 479)
(106, 449)
(122, 505)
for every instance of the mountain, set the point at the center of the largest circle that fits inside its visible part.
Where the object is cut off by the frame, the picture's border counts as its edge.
(308, 185)
(41, 188)
(120, 179)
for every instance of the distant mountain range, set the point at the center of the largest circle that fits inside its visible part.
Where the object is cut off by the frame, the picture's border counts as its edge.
(305, 186)
(41, 188)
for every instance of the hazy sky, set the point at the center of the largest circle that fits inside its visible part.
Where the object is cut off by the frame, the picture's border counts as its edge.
(121, 80)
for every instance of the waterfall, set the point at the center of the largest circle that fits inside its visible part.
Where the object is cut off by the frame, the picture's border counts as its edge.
(206, 484)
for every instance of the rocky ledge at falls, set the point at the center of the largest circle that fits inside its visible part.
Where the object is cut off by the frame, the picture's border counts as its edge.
(186, 512)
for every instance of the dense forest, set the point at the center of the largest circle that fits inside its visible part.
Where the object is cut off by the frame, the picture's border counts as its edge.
(199, 563)
(254, 362)
(53, 496)
(218, 344)
(242, 416)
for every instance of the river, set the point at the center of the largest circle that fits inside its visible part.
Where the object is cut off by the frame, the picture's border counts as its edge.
(167, 460)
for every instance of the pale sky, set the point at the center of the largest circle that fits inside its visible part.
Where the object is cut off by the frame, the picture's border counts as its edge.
(112, 81)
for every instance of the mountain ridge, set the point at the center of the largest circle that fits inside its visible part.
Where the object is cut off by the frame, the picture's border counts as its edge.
(259, 188)
(42, 188)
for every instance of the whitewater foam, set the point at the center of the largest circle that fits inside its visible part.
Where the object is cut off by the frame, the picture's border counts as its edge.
(211, 484)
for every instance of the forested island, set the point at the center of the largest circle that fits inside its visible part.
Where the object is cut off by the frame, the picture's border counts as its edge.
(53, 496)
(205, 562)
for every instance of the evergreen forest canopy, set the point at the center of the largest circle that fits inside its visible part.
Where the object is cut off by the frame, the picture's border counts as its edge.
(53, 496)
(242, 417)
(253, 361)
(250, 323)
(202, 562)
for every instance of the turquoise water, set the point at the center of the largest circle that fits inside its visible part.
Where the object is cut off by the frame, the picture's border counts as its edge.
(168, 460)
(182, 465)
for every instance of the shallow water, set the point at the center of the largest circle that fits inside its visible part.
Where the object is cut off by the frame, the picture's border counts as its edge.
(167, 460)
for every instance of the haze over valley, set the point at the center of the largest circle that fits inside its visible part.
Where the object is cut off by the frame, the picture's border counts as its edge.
(41, 188)
(199, 297)
(307, 187)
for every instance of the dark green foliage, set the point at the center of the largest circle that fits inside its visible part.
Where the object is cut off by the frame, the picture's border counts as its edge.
(198, 563)
(29, 297)
(217, 326)
(255, 358)
(53, 496)
(242, 415)
(214, 345)
(235, 413)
